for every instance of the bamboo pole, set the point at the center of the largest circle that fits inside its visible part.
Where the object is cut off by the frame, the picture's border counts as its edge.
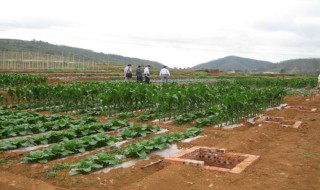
(51, 66)
(73, 65)
(37, 62)
(22, 60)
(8, 60)
(17, 60)
(31, 61)
(3, 54)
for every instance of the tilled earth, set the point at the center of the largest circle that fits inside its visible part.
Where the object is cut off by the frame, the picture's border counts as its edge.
(290, 159)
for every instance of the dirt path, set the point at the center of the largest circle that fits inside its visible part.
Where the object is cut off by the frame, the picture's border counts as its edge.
(9, 181)
(290, 159)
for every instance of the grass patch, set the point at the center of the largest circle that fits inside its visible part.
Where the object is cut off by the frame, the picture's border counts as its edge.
(307, 154)
(59, 178)
(51, 174)
(9, 164)
(89, 183)
(61, 166)
(74, 183)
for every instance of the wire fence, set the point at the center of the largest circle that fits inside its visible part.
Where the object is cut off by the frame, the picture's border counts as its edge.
(24, 61)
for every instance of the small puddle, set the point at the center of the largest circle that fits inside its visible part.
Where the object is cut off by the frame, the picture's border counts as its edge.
(162, 131)
(173, 149)
(191, 139)
(280, 107)
(118, 144)
(27, 136)
(232, 126)
(28, 149)
(164, 120)
(226, 126)
(123, 165)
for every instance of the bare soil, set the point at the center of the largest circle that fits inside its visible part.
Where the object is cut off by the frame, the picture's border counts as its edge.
(290, 159)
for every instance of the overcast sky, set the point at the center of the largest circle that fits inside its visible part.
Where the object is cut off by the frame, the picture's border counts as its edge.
(177, 33)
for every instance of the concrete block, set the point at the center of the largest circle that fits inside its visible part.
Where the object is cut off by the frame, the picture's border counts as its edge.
(239, 161)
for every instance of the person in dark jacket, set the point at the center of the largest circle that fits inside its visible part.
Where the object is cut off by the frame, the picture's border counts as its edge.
(139, 74)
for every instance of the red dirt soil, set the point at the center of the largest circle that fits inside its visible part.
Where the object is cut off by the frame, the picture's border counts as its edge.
(290, 159)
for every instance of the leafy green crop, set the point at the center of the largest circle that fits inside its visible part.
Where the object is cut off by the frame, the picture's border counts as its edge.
(137, 130)
(96, 162)
(145, 117)
(135, 150)
(125, 115)
(70, 147)
(79, 130)
(166, 101)
(21, 79)
(143, 148)
(87, 143)
(185, 118)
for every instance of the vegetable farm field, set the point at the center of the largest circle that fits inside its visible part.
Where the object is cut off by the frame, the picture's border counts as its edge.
(109, 134)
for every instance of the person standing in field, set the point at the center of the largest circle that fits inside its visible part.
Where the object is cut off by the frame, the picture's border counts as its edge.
(146, 73)
(139, 74)
(164, 73)
(128, 72)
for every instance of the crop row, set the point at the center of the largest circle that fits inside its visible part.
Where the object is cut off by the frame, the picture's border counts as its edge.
(136, 150)
(30, 129)
(56, 125)
(21, 79)
(239, 103)
(270, 82)
(3, 100)
(14, 118)
(88, 143)
(169, 100)
(234, 99)
(58, 136)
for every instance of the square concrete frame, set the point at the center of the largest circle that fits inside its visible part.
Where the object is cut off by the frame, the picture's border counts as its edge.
(249, 160)
(262, 120)
(302, 109)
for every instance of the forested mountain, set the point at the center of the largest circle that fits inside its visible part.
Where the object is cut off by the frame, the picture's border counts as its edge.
(233, 63)
(307, 66)
(10, 45)
(230, 63)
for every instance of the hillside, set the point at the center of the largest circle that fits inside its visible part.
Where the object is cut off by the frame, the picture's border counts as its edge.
(9, 45)
(230, 63)
(307, 66)
(294, 66)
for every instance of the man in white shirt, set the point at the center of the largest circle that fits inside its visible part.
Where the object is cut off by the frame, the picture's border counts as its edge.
(147, 74)
(164, 73)
(127, 72)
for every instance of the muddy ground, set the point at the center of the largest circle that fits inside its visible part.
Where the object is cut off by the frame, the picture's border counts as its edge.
(290, 159)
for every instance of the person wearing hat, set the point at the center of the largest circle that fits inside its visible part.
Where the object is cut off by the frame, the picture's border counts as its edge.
(139, 74)
(128, 72)
(164, 73)
(147, 74)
